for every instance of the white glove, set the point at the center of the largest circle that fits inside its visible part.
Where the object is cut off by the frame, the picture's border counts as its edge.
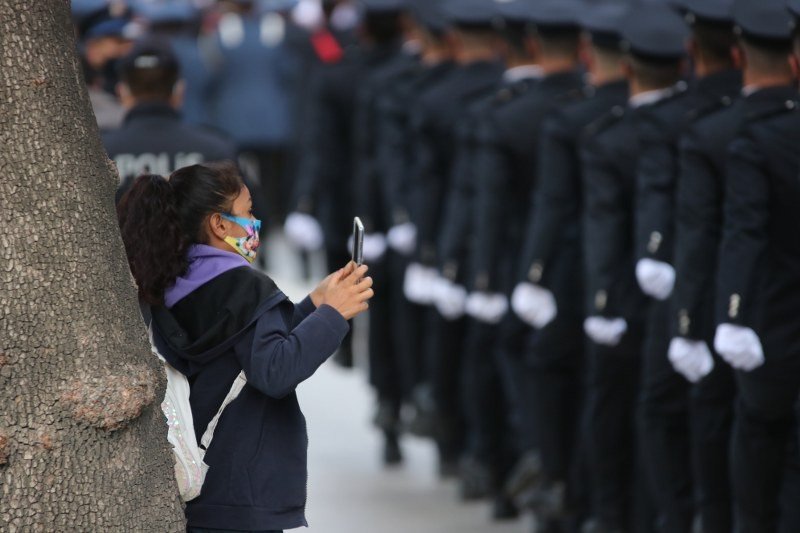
(419, 284)
(450, 299)
(304, 231)
(374, 246)
(691, 359)
(739, 346)
(656, 278)
(534, 305)
(606, 331)
(403, 238)
(487, 307)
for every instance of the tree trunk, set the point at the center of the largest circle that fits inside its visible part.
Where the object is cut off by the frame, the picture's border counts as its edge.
(82, 437)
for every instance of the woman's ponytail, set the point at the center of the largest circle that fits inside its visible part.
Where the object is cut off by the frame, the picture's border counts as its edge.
(154, 240)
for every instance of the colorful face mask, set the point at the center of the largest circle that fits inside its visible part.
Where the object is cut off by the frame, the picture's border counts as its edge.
(246, 246)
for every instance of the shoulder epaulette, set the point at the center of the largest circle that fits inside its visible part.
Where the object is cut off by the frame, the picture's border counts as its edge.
(710, 108)
(606, 121)
(779, 108)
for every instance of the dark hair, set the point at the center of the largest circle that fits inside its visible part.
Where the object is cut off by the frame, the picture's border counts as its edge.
(514, 34)
(382, 27)
(150, 70)
(160, 219)
(715, 40)
(656, 73)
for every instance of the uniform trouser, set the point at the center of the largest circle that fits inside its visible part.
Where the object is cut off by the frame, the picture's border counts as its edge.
(406, 327)
(442, 358)
(266, 167)
(664, 427)
(485, 404)
(612, 387)
(763, 437)
(711, 418)
(553, 393)
(384, 374)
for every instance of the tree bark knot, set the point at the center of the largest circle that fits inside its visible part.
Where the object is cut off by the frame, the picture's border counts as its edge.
(5, 450)
(111, 402)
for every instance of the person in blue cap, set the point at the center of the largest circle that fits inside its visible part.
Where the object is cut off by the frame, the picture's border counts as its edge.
(105, 33)
(153, 138)
(553, 261)
(757, 282)
(655, 39)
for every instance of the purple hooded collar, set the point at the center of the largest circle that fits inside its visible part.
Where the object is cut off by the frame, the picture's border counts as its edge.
(205, 264)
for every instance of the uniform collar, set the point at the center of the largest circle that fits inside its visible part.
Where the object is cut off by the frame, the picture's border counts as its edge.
(721, 84)
(650, 97)
(523, 72)
(777, 93)
(151, 109)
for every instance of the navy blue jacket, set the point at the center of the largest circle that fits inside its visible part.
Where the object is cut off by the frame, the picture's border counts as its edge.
(257, 478)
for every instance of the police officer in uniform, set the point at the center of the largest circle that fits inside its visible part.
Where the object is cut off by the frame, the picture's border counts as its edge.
(655, 39)
(153, 138)
(664, 416)
(392, 162)
(758, 291)
(553, 288)
(505, 175)
(433, 127)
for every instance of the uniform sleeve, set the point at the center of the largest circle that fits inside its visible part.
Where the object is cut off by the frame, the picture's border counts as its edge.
(276, 359)
(555, 200)
(455, 224)
(393, 164)
(492, 185)
(655, 183)
(427, 188)
(698, 212)
(606, 231)
(744, 239)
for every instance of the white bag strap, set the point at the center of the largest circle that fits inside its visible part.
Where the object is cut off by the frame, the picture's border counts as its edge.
(236, 389)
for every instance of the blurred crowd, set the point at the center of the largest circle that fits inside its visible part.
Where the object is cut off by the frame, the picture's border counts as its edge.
(581, 222)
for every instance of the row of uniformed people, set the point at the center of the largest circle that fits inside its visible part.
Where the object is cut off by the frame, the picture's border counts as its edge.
(511, 211)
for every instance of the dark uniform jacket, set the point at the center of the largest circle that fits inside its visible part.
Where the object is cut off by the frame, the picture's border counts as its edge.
(608, 156)
(154, 139)
(552, 253)
(369, 200)
(701, 187)
(759, 263)
(394, 151)
(506, 174)
(433, 126)
(325, 184)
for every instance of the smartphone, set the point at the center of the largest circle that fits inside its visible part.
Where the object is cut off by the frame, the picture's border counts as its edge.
(358, 241)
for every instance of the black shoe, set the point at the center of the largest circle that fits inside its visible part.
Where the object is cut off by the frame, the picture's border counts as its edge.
(387, 416)
(476, 480)
(392, 455)
(546, 500)
(524, 476)
(599, 526)
(504, 509)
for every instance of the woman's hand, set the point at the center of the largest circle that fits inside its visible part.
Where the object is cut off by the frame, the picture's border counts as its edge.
(346, 290)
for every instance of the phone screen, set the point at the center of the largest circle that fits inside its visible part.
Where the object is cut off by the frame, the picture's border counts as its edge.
(358, 241)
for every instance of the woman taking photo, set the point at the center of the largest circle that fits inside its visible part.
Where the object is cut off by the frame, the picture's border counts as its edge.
(190, 242)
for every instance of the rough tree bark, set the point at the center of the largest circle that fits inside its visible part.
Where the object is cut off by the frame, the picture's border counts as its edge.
(82, 438)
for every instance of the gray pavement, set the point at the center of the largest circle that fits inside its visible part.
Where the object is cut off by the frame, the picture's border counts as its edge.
(349, 490)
